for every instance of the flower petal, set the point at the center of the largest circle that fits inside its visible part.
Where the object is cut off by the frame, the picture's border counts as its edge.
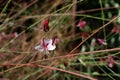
(39, 48)
(110, 65)
(51, 47)
(48, 41)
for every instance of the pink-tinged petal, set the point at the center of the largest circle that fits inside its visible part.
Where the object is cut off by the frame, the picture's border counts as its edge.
(49, 41)
(46, 42)
(54, 40)
(46, 45)
(101, 41)
(16, 34)
(110, 61)
(110, 65)
(39, 48)
(82, 24)
(42, 41)
(51, 47)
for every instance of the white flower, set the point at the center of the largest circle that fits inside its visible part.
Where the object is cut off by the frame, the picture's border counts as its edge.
(46, 46)
(15, 34)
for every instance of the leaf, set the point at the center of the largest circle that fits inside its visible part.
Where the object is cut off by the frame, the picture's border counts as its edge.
(95, 73)
(87, 28)
(82, 62)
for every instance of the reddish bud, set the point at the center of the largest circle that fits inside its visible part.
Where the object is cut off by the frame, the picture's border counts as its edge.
(82, 24)
(46, 25)
(65, 64)
(83, 35)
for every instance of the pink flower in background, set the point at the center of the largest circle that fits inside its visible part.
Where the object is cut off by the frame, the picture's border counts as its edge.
(4, 35)
(115, 30)
(83, 35)
(82, 24)
(46, 25)
(46, 45)
(110, 61)
(93, 42)
(15, 34)
(101, 41)
(101, 60)
(1, 55)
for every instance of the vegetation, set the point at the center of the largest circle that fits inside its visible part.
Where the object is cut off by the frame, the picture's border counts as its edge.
(59, 39)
